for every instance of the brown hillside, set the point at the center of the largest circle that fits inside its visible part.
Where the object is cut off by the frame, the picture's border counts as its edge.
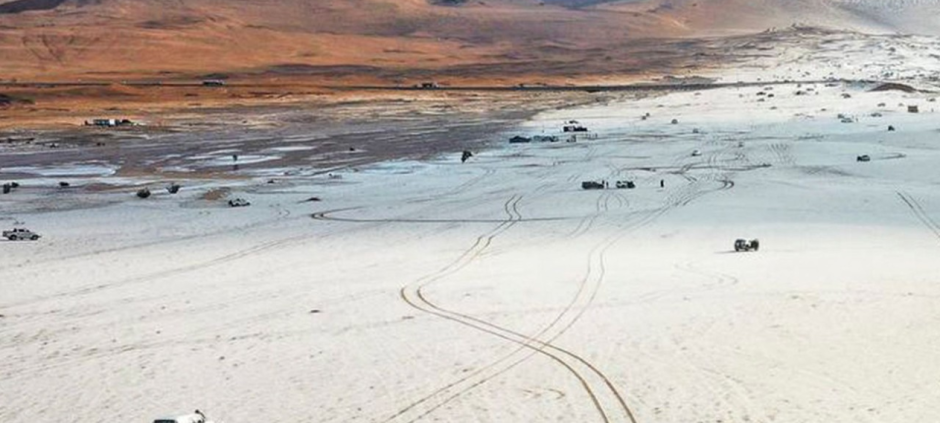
(137, 39)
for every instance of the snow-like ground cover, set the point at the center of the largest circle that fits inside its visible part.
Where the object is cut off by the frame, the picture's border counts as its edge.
(499, 290)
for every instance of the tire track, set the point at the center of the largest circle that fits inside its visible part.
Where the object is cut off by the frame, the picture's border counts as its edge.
(604, 395)
(920, 213)
(326, 216)
(487, 172)
(166, 273)
(255, 225)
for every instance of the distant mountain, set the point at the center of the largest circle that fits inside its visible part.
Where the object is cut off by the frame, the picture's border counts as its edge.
(125, 38)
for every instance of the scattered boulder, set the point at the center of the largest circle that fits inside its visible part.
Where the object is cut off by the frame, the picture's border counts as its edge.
(890, 128)
(143, 193)
(675, 121)
(173, 188)
(64, 184)
(465, 155)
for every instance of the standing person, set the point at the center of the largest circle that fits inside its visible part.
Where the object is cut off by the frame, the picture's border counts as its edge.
(662, 183)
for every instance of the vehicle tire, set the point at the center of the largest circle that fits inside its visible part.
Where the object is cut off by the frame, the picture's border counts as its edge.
(34, 237)
(12, 238)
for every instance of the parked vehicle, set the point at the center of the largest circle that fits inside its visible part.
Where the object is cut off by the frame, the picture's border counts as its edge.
(592, 185)
(196, 417)
(745, 245)
(238, 202)
(20, 234)
(625, 184)
(573, 126)
(863, 158)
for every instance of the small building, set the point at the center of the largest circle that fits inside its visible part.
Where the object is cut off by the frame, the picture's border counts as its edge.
(913, 109)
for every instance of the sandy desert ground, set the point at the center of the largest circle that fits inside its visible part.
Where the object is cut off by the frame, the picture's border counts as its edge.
(498, 290)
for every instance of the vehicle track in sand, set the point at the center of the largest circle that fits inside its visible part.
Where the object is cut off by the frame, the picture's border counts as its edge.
(600, 389)
(326, 215)
(165, 273)
(603, 394)
(582, 369)
(225, 231)
(920, 213)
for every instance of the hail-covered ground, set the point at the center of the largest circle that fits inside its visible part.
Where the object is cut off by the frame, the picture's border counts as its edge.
(499, 290)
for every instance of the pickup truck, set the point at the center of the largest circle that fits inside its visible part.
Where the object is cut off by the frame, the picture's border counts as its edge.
(20, 234)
